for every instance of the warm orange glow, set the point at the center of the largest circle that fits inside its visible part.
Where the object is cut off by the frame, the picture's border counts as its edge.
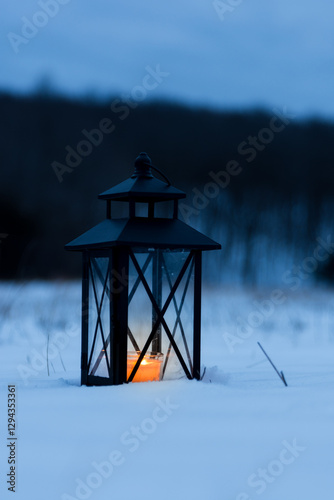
(149, 369)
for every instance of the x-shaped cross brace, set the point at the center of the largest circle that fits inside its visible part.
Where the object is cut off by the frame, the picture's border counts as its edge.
(178, 315)
(160, 315)
(98, 322)
(131, 295)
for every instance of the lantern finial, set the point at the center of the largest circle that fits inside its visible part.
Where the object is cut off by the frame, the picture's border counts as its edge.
(143, 166)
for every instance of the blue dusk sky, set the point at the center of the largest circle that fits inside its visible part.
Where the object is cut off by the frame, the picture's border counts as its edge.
(233, 54)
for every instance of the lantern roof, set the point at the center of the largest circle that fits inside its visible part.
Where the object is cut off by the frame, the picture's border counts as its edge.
(142, 186)
(143, 232)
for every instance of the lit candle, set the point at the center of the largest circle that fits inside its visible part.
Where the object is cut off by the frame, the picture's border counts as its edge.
(149, 369)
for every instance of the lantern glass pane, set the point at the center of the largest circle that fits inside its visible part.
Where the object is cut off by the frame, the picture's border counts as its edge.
(180, 313)
(160, 270)
(99, 317)
(140, 305)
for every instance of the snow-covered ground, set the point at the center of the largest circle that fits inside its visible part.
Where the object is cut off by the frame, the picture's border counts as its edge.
(237, 435)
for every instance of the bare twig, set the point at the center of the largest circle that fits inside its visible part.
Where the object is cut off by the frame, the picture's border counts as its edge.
(280, 374)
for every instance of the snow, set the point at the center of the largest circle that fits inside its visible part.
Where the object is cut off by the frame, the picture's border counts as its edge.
(237, 435)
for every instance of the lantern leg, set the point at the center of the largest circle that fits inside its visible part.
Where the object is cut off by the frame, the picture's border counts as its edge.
(197, 315)
(157, 294)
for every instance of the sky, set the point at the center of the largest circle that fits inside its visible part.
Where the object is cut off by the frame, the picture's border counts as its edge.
(225, 54)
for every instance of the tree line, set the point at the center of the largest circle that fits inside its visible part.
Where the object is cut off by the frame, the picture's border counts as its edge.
(244, 171)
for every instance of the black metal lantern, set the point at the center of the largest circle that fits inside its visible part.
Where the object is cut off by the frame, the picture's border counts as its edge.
(141, 287)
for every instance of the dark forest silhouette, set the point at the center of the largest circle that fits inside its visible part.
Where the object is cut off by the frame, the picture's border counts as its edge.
(251, 177)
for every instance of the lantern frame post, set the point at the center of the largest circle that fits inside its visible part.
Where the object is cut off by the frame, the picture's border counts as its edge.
(197, 315)
(84, 318)
(157, 293)
(119, 313)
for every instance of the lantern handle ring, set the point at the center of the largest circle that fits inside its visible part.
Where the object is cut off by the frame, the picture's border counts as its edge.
(159, 172)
